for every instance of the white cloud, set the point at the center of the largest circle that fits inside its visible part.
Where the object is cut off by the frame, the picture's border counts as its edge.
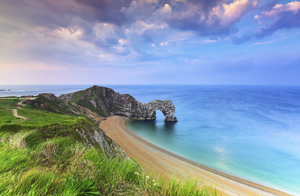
(267, 42)
(163, 44)
(153, 45)
(208, 41)
(166, 9)
(193, 60)
(142, 26)
(123, 42)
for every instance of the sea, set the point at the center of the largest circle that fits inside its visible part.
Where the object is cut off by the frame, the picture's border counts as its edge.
(252, 132)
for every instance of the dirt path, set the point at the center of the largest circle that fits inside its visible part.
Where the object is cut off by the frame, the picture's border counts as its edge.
(153, 158)
(19, 106)
(15, 113)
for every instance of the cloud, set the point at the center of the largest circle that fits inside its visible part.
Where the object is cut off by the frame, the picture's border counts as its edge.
(274, 18)
(209, 17)
(93, 33)
(163, 44)
(284, 16)
(208, 41)
(103, 23)
(141, 26)
(264, 43)
(279, 8)
(270, 5)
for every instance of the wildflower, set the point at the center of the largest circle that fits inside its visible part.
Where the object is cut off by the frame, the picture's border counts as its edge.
(153, 180)
(147, 177)
(136, 173)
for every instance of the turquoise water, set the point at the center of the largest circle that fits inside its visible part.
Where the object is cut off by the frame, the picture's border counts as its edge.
(247, 131)
(251, 132)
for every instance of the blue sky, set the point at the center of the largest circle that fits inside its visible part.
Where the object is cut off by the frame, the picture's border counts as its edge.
(150, 42)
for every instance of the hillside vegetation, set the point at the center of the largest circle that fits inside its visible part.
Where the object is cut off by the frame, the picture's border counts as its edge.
(59, 151)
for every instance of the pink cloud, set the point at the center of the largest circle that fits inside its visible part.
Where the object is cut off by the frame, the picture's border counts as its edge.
(286, 17)
(230, 13)
(217, 19)
(279, 8)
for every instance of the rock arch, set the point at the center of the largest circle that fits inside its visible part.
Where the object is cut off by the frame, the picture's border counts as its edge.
(148, 110)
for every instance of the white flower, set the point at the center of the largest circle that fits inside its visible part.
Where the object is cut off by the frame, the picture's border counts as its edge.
(153, 180)
(136, 173)
(147, 177)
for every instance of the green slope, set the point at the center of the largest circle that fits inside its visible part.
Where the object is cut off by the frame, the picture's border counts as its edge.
(47, 155)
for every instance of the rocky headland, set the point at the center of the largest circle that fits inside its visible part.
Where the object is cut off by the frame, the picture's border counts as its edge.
(96, 103)
(106, 102)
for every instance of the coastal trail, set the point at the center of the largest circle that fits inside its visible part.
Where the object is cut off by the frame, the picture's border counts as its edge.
(15, 113)
(164, 163)
(19, 106)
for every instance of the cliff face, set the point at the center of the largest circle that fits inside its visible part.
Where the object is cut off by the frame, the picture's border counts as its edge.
(107, 102)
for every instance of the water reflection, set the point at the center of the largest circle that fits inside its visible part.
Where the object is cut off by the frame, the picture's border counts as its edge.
(153, 127)
(169, 127)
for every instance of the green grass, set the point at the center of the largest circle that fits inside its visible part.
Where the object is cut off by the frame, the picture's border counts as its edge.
(62, 166)
(76, 97)
(46, 156)
(37, 117)
(41, 117)
(7, 118)
(8, 103)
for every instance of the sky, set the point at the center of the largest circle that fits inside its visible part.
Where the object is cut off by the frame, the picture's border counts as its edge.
(238, 42)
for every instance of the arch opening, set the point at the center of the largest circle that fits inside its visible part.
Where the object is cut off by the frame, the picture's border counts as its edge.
(159, 115)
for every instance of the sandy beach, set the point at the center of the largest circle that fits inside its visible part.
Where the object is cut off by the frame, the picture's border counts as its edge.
(164, 163)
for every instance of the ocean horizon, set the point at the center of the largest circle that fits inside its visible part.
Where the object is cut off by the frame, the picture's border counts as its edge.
(252, 132)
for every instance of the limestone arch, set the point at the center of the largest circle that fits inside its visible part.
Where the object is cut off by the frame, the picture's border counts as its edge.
(166, 107)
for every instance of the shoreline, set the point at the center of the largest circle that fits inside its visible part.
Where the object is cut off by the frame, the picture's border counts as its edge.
(162, 162)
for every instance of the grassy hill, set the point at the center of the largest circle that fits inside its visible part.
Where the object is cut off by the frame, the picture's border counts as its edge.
(55, 152)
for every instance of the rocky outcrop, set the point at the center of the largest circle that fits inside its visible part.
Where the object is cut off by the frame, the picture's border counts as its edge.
(107, 102)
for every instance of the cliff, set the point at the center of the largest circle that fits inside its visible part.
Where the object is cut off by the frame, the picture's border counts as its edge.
(106, 102)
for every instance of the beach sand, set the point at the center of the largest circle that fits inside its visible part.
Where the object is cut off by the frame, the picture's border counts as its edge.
(164, 163)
